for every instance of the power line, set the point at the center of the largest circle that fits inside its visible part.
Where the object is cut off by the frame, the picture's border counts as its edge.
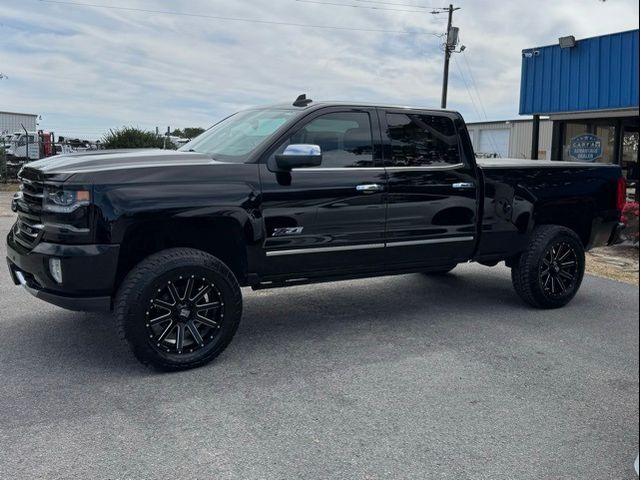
(232, 19)
(475, 88)
(402, 5)
(464, 80)
(370, 7)
(474, 85)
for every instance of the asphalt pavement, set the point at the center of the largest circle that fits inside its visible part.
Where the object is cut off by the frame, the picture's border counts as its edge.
(403, 377)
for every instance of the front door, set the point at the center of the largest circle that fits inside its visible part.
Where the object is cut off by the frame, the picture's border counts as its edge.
(432, 200)
(331, 218)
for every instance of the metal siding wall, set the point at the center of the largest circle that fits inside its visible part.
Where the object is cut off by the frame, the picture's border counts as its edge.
(598, 73)
(521, 136)
(12, 122)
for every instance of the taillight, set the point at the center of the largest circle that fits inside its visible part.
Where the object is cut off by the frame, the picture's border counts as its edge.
(621, 197)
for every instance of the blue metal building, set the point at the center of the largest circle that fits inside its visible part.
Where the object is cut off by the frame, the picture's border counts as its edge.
(589, 88)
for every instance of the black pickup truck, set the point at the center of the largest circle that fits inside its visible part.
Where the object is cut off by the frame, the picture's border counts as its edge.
(288, 194)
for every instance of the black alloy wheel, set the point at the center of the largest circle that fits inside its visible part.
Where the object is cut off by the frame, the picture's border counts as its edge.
(548, 274)
(178, 308)
(559, 269)
(185, 315)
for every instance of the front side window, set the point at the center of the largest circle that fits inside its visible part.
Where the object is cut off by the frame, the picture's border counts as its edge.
(237, 137)
(23, 140)
(343, 137)
(419, 140)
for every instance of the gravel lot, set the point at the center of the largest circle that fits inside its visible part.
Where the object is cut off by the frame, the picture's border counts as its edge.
(5, 203)
(397, 377)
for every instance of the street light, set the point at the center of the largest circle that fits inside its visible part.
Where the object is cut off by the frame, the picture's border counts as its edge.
(567, 42)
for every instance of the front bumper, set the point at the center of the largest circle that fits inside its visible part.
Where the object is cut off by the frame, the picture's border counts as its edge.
(88, 273)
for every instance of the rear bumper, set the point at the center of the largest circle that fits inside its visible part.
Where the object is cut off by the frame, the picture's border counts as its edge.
(605, 230)
(88, 273)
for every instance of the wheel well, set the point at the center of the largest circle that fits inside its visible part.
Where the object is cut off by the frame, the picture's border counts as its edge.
(220, 237)
(577, 219)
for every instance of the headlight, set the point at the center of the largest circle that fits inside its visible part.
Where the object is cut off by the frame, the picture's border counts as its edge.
(65, 200)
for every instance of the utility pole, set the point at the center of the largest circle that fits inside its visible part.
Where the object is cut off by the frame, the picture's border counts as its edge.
(449, 46)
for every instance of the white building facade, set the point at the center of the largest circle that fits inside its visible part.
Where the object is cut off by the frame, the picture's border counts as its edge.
(11, 122)
(510, 138)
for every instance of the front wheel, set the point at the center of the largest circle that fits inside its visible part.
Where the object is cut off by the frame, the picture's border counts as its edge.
(178, 308)
(549, 273)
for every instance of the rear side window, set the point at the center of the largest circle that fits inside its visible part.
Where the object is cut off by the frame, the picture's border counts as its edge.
(419, 140)
(343, 137)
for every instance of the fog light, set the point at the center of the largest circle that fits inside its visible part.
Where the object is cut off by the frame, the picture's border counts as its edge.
(55, 267)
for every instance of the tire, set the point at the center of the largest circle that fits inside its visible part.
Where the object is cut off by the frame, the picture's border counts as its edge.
(536, 273)
(441, 271)
(161, 309)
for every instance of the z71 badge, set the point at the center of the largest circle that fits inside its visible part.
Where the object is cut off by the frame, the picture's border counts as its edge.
(278, 232)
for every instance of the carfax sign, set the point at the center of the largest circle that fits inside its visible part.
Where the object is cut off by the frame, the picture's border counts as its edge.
(585, 148)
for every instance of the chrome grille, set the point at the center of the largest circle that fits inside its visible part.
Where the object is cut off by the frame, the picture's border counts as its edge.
(28, 228)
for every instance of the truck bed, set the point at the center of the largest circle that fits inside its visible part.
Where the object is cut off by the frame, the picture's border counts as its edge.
(520, 193)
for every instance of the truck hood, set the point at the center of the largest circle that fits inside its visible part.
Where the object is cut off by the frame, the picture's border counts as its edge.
(103, 160)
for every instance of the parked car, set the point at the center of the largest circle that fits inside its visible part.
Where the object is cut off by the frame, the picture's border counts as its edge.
(61, 148)
(293, 194)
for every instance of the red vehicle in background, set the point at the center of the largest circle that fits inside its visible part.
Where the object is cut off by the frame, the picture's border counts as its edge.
(46, 140)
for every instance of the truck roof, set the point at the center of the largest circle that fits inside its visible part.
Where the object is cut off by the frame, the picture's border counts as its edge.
(313, 105)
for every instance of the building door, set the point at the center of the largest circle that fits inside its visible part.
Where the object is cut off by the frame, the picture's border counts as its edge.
(494, 143)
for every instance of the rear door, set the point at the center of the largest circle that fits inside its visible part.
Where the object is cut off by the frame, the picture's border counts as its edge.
(432, 200)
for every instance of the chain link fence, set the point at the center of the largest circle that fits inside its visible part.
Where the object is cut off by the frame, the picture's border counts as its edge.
(3, 165)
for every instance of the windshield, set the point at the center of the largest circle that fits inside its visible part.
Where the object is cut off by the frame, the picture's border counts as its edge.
(236, 137)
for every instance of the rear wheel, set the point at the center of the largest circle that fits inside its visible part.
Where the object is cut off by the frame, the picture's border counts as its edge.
(550, 272)
(178, 309)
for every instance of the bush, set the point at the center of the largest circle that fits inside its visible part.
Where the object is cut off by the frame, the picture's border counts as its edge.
(630, 219)
(130, 137)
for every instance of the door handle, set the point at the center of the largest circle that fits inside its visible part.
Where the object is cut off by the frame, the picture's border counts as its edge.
(462, 185)
(369, 188)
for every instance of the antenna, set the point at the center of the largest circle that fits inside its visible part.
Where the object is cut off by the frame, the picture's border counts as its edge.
(302, 101)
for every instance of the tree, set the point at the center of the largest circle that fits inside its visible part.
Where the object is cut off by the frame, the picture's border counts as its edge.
(192, 132)
(188, 132)
(131, 137)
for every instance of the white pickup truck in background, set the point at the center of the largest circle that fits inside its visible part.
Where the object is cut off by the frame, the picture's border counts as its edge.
(16, 145)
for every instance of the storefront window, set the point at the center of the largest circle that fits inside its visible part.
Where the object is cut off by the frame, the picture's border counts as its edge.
(589, 141)
(629, 163)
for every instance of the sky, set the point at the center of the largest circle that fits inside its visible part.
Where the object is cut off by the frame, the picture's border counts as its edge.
(85, 68)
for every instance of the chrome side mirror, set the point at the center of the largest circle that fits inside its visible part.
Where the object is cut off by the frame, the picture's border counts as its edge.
(298, 156)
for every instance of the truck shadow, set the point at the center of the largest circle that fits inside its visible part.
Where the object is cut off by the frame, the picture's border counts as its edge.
(332, 312)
